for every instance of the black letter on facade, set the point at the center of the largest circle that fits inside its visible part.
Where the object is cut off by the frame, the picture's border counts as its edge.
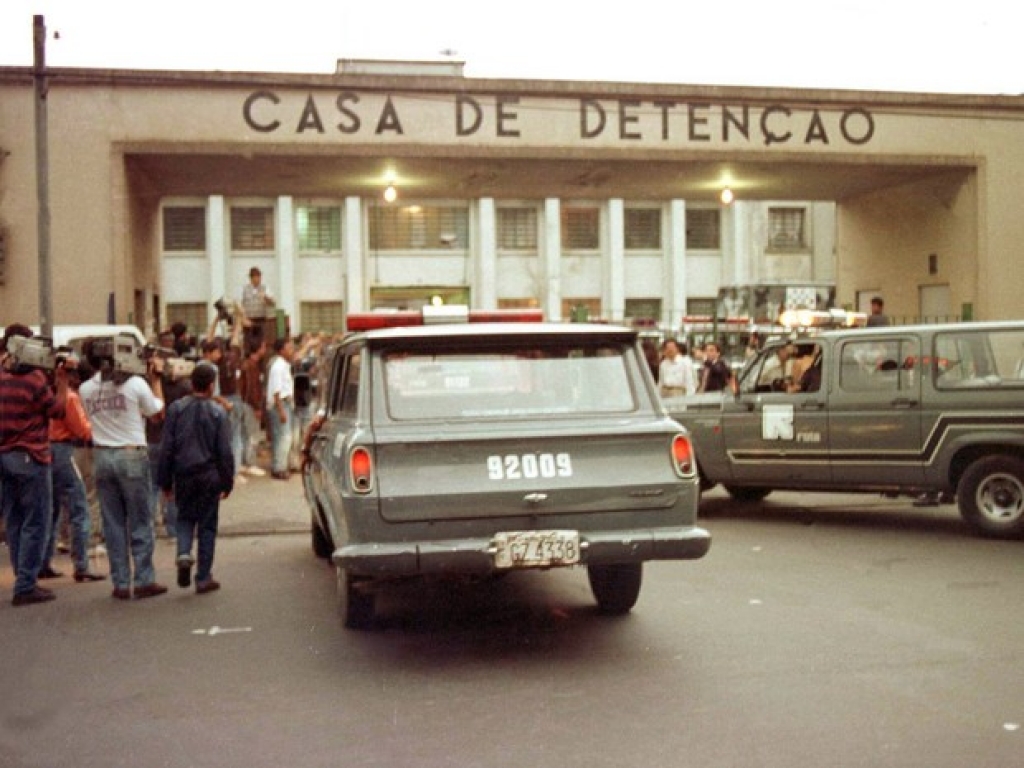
(353, 124)
(742, 125)
(774, 138)
(461, 129)
(247, 112)
(698, 119)
(507, 116)
(585, 131)
(389, 119)
(816, 130)
(628, 118)
(309, 118)
(869, 130)
(664, 106)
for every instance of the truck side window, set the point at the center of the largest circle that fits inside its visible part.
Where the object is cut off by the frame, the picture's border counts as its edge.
(349, 390)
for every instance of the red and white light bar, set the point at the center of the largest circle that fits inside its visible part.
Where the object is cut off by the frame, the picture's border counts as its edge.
(445, 313)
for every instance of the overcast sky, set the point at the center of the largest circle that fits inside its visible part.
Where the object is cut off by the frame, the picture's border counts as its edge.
(889, 45)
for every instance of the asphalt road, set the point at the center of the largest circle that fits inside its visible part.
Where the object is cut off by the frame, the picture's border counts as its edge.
(819, 631)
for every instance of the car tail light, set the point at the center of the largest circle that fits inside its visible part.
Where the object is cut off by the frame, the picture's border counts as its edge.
(360, 466)
(682, 456)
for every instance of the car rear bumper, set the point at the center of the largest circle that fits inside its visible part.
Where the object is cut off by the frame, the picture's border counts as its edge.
(477, 555)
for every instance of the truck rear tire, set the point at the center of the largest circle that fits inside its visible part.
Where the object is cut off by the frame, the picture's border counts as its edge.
(355, 606)
(747, 495)
(991, 497)
(616, 586)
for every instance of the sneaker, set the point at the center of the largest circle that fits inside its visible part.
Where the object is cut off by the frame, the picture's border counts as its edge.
(240, 479)
(210, 585)
(37, 595)
(254, 471)
(149, 590)
(81, 576)
(184, 563)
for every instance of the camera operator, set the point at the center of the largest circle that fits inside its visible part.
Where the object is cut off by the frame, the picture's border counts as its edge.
(118, 404)
(27, 403)
(174, 385)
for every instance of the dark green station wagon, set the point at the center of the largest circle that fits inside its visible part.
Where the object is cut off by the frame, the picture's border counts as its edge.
(476, 449)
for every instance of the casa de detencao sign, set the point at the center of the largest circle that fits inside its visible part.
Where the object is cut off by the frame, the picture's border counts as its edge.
(350, 113)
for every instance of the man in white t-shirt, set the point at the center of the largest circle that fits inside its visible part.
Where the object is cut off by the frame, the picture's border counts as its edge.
(280, 390)
(676, 373)
(117, 406)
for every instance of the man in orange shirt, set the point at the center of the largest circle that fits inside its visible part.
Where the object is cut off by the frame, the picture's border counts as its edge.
(66, 433)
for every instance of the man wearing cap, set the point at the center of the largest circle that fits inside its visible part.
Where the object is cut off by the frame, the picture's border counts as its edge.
(27, 403)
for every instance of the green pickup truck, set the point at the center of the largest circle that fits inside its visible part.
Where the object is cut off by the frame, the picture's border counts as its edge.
(929, 409)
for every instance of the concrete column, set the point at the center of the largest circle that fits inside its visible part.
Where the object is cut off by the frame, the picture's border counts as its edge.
(675, 265)
(485, 288)
(613, 270)
(217, 255)
(551, 257)
(354, 291)
(286, 251)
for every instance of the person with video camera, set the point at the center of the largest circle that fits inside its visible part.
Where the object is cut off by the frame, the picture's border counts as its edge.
(118, 402)
(27, 403)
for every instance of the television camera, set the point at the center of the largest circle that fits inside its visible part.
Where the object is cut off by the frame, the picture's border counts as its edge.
(123, 355)
(36, 352)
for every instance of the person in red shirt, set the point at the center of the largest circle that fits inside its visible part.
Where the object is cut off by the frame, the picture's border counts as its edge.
(66, 433)
(27, 403)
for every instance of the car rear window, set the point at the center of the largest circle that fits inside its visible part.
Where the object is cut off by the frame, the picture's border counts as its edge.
(503, 382)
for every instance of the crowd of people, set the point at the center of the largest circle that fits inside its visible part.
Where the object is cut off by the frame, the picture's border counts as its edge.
(678, 373)
(165, 447)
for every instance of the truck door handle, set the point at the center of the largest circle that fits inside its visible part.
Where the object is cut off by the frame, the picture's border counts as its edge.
(812, 405)
(904, 402)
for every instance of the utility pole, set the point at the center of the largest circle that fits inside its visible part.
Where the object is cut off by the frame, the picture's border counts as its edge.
(42, 176)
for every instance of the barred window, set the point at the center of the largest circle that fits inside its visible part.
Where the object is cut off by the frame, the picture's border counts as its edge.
(194, 316)
(643, 309)
(581, 310)
(642, 229)
(328, 316)
(418, 227)
(252, 228)
(319, 228)
(517, 229)
(185, 228)
(786, 229)
(703, 228)
(580, 228)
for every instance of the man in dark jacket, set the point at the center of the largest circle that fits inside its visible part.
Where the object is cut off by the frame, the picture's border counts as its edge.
(197, 467)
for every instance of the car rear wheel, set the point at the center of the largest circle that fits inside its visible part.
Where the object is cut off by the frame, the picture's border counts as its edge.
(355, 604)
(321, 543)
(747, 495)
(991, 497)
(616, 587)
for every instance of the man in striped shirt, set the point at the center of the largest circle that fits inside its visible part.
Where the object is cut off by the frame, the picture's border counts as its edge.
(27, 403)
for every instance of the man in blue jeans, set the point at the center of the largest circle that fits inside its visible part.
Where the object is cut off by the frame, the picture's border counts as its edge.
(27, 403)
(280, 390)
(197, 467)
(118, 405)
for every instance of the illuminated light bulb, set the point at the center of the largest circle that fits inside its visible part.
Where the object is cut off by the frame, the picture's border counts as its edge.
(390, 193)
(727, 196)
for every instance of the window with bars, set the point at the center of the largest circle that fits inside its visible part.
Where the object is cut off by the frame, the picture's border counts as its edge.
(581, 309)
(580, 228)
(184, 228)
(786, 229)
(194, 316)
(319, 229)
(418, 227)
(252, 228)
(703, 228)
(328, 316)
(517, 229)
(643, 309)
(701, 307)
(642, 229)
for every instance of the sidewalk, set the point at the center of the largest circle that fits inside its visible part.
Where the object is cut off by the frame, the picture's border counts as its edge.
(262, 505)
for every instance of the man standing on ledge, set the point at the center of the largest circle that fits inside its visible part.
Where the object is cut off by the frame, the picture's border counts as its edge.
(257, 305)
